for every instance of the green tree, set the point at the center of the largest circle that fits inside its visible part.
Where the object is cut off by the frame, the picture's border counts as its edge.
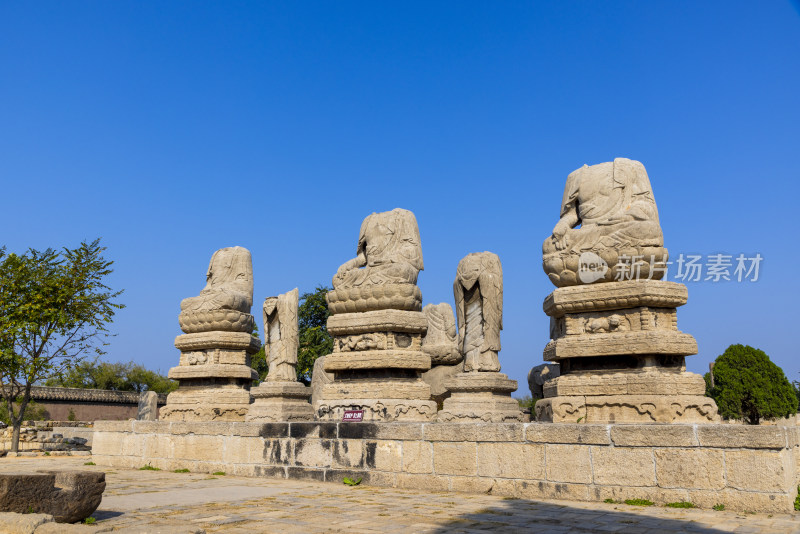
(747, 385)
(54, 309)
(96, 374)
(315, 341)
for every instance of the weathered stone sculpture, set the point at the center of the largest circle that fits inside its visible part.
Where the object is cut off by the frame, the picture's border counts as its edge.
(377, 325)
(281, 397)
(481, 392)
(440, 344)
(620, 351)
(214, 374)
(539, 375)
(148, 406)
(608, 227)
(69, 496)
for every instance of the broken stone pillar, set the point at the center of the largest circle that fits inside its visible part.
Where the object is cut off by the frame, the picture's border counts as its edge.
(440, 344)
(214, 373)
(614, 327)
(377, 325)
(69, 496)
(481, 392)
(280, 397)
(148, 406)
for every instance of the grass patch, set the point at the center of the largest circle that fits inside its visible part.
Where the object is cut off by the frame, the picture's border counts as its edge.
(718, 507)
(90, 463)
(181, 471)
(797, 499)
(680, 504)
(610, 501)
(219, 474)
(149, 467)
(46, 453)
(639, 502)
(90, 520)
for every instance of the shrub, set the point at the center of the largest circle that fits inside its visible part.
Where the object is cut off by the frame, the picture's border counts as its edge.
(747, 385)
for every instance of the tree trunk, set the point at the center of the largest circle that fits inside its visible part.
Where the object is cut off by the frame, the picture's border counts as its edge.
(15, 436)
(16, 421)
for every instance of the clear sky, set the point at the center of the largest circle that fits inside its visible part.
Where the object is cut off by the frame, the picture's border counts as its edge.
(172, 129)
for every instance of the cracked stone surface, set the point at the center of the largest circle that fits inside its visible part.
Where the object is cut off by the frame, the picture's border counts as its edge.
(151, 501)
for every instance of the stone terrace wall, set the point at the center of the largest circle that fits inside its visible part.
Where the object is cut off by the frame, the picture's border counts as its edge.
(744, 468)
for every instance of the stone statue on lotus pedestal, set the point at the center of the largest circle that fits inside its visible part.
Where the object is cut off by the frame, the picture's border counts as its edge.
(614, 328)
(280, 397)
(480, 392)
(378, 326)
(214, 374)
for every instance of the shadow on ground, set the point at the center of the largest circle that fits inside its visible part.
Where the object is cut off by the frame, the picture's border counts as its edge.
(519, 515)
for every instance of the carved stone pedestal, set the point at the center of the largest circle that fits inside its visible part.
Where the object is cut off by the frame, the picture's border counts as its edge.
(214, 377)
(480, 396)
(377, 360)
(622, 356)
(280, 401)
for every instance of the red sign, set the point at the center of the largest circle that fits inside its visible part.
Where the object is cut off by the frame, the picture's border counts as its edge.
(353, 416)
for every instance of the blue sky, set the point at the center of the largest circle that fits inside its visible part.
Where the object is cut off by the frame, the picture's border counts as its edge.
(172, 129)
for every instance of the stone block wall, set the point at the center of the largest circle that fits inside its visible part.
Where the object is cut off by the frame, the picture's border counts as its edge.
(744, 468)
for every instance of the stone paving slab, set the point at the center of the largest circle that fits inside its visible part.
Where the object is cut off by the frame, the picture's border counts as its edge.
(148, 501)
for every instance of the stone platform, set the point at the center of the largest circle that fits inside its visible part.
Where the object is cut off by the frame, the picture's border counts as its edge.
(742, 467)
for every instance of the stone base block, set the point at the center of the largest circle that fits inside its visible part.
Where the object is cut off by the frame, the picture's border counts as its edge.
(480, 396)
(387, 409)
(643, 342)
(628, 409)
(206, 404)
(280, 401)
(377, 359)
(653, 382)
(183, 372)
(390, 388)
(377, 321)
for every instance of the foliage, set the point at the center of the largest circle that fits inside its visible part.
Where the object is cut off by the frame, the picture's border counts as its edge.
(181, 471)
(34, 411)
(54, 308)
(71, 415)
(90, 520)
(680, 504)
(95, 374)
(148, 467)
(89, 463)
(351, 482)
(639, 502)
(610, 501)
(747, 385)
(315, 341)
(721, 507)
(526, 402)
(219, 473)
(797, 499)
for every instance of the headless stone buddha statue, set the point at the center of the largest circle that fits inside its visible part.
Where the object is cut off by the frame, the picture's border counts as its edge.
(281, 336)
(607, 210)
(389, 252)
(478, 291)
(229, 284)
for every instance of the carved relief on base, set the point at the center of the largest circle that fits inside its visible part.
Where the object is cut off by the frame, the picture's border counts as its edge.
(627, 409)
(386, 410)
(184, 412)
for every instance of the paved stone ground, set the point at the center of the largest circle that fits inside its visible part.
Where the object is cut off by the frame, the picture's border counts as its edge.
(147, 501)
